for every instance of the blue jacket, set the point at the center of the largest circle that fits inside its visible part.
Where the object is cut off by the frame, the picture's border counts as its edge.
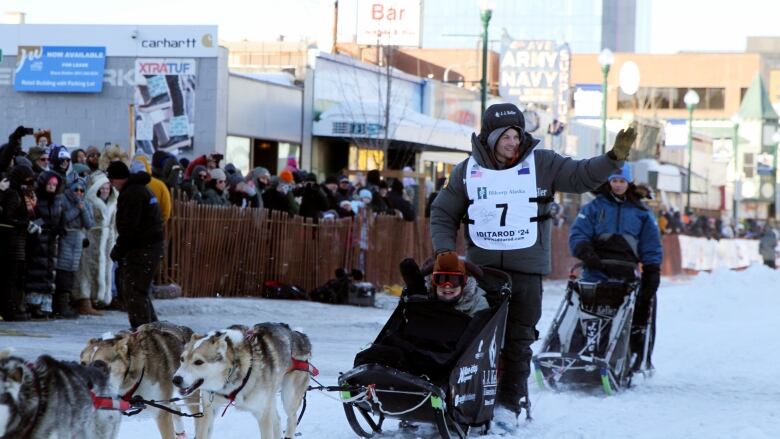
(605, 216)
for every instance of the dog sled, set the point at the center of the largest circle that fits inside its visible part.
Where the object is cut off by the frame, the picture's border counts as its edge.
(459, 391)
(589, 341)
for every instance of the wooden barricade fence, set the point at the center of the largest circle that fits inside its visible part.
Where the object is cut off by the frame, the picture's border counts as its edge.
(229, 251)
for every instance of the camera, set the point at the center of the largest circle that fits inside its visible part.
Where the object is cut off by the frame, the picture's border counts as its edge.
(28, 131)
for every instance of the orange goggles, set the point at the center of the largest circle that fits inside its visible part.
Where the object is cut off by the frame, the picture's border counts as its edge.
(448, 278)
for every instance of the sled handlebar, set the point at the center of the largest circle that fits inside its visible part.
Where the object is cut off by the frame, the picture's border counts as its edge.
(506, 287)
(608, 262)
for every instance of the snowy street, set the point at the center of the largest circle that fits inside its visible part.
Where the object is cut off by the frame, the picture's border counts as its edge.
(716, 362)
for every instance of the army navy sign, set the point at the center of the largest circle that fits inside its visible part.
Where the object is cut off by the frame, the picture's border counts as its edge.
(536, 72)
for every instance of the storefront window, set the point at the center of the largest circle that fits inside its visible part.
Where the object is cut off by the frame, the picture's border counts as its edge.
(289, 151)
(716, 98)
(237, 152)
(366, 159)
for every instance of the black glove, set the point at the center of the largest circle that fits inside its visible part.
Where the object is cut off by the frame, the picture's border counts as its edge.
(584, 251)
(413, 279)
(18, 133)
(85, 243)
(651, 278)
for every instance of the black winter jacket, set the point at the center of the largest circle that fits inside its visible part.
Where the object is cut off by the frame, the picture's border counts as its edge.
(313, 202)
(138, 218)
(42, 248)
(13, 224)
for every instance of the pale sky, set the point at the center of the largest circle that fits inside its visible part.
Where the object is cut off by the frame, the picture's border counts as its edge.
(677, 25)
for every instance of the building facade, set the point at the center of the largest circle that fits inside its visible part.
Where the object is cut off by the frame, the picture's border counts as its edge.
(587, 25)
(730, 142)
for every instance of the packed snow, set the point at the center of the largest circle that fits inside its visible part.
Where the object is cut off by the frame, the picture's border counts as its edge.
(716, 362)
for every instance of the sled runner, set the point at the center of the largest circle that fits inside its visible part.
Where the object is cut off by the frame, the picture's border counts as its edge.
(589, 339)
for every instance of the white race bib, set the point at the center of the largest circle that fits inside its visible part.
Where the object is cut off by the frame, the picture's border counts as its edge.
(500, 208)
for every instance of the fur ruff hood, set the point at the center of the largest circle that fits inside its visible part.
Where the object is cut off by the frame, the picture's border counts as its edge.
(113, 153)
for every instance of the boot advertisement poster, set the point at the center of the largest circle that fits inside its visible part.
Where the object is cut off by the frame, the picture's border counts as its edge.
(164, 104)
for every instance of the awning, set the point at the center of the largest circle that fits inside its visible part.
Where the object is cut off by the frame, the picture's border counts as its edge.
(366, 120)
(667, 177)
(450, 158)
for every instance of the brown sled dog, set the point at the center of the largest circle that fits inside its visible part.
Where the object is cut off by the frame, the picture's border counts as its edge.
(143, 363)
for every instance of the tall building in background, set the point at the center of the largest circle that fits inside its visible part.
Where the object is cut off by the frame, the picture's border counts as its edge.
(587, 25)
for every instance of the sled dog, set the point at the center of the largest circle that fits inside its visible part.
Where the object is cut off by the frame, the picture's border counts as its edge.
(247, 369)
(51, 398)
(142, 363)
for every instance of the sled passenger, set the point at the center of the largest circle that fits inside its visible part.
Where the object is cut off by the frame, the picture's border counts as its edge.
(618, 225)
(438, 314)
(450, 283)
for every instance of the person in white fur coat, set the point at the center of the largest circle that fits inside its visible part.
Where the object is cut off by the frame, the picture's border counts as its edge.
(96, 274)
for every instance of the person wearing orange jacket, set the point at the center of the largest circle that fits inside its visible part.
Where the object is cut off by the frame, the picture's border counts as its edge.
(157, 186)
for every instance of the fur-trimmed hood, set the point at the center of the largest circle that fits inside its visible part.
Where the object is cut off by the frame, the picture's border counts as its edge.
(92, 196)
(113, 153)
(635, 194)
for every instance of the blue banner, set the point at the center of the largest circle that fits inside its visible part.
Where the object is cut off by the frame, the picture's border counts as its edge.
(60, 69)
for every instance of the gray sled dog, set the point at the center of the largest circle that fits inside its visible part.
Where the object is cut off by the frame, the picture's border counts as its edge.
(142, 363)
(52, 399)
(247, 369)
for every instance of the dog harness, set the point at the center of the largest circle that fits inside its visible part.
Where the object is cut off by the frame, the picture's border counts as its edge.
(109, 403)
(304, 366)
(130, 393)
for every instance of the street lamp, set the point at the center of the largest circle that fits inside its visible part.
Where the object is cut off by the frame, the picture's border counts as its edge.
(606, 58)
(691, 100)
(735, 120)
(776, 139)
(486, 12)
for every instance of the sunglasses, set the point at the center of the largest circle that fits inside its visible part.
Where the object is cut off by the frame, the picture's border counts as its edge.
(220, 181)
(78, 190)
(203, 175)
(448, 278)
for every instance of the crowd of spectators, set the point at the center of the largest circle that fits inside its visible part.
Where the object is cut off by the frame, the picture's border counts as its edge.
(672, 221)
(58, 213)
(292, 190)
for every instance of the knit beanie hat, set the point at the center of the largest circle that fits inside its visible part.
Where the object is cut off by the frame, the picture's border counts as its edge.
(36, 152)
(331, 179)
(22, 161)
(197, 170)
(260, 172)
(286, 176)
(234, 179)
(624, 172)
(79, 169)
(137, 166)
(20, 174)
(365, 193)
(230, 169)
(118, 170)
(497, 119)
(217, 174)
(92, 150)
